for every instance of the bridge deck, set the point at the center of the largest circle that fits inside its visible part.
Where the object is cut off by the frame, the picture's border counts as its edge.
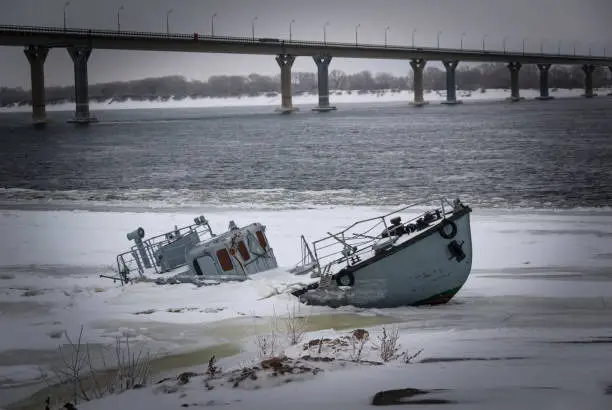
(132, 40)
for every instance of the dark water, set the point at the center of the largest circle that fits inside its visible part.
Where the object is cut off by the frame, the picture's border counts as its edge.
(492, 154)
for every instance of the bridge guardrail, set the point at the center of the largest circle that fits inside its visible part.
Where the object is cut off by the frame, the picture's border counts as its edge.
(144, 35)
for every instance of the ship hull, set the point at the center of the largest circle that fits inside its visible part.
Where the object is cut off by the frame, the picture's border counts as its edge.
(427, 269)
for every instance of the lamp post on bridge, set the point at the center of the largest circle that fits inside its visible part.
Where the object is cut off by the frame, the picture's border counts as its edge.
(413, 31)
(462, 35)
(119, 17)
(356, 31)
(438, 38)
(559, 47)
(524, 41)
(590, 45)
(574, 46)
(386, 30)
(504, 43)
(483, 42)
(290, 33)
(542, 46)
(212, 25)
(168, 21)
(65, 7)
(253, 26)
(325, 32)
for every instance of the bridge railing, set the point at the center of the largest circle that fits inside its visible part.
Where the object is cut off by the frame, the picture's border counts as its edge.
(148, 35)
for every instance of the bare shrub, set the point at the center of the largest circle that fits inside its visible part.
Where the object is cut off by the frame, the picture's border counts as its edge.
(213, 370)
(77, 371)
(74, 364)
(387, 343)
(268, 344)
(133, 369)
(296, 324)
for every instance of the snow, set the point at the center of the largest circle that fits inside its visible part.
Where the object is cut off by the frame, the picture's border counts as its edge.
(514, 370)
(336, 97)
(539, 278)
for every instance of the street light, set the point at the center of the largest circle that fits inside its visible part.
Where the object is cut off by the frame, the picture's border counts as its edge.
(118, 17)
(212, 25)
(559, 47)
(168, 21)
(386, 30)
(575, 42)
(542, 46)
(65, 7)
(253, 26)
(524, 41)
(290, 34)
(356, 30)
(462, 35)
(483, 41)
(325, 32)
(590, 45)
(504, 43)
(439, 32)
(413, 31)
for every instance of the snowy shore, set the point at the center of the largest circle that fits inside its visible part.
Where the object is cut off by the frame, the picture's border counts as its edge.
(533, 318)
(308, 100)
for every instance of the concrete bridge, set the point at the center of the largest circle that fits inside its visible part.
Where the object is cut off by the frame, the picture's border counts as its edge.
(37, 41)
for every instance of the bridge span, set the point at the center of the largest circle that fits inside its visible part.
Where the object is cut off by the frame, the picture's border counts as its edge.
(37, 41)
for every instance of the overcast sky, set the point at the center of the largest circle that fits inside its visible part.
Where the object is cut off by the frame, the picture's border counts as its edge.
(588, 22)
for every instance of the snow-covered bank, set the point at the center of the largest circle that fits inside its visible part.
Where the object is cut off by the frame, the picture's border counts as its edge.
(336, 97)
(538, 277)
(462, 370)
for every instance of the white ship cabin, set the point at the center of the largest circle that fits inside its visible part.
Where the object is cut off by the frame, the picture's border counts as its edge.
(196, 250)
(233, 255)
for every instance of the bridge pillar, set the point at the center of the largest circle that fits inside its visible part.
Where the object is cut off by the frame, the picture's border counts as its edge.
(80, 56)
(544, 94)
(451, 87)
(285, 62)
(36, 56)
(322, 62)
(588, 80)
(514, 68)
(418, 65)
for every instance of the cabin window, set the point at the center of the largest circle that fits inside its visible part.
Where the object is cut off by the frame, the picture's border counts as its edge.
(243, 251)
(262, 239)
(224, 260)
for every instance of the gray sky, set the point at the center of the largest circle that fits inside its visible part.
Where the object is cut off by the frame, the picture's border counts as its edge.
(587, 21)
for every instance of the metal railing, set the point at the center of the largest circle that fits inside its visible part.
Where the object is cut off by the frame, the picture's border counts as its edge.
(361, 239)
(266, 42)
(144, 256)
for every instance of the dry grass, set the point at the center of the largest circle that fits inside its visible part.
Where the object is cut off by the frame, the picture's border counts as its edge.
(359, 338)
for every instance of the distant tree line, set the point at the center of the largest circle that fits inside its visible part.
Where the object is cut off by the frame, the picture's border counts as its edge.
(483, 76)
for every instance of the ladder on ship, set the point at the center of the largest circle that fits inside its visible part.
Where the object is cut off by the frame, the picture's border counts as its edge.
(326, 277)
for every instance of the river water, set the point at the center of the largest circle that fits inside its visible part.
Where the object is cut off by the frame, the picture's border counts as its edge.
(555, 154)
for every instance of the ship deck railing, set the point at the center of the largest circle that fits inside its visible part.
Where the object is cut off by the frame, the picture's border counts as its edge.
(360, 240)
(133, 260)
